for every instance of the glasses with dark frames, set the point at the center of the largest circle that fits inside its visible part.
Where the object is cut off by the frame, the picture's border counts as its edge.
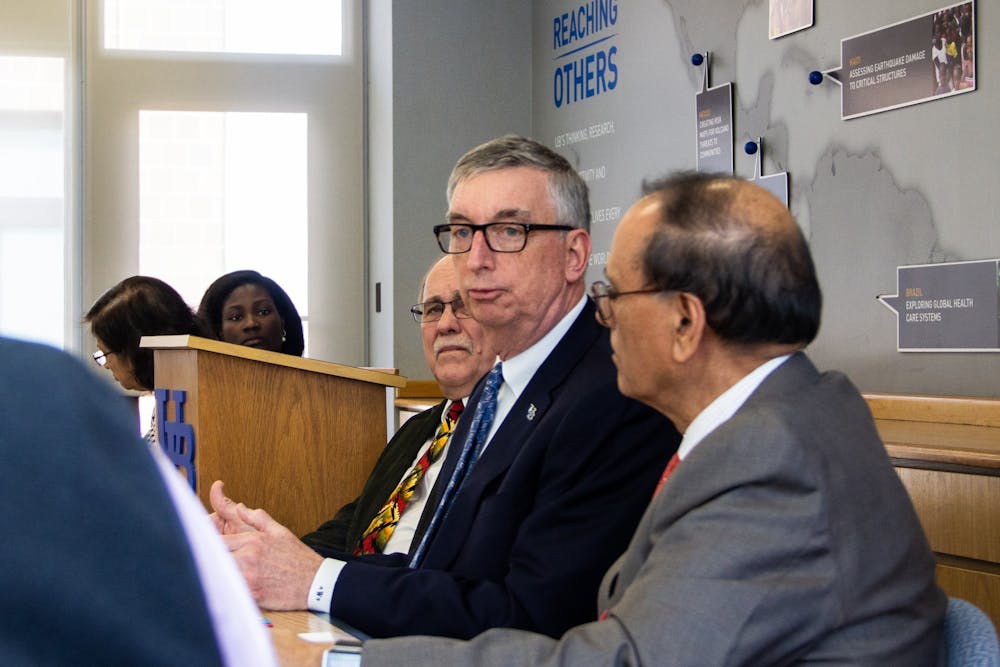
(456, 238)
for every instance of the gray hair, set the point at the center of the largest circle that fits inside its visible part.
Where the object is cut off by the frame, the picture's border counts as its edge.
(568, 190)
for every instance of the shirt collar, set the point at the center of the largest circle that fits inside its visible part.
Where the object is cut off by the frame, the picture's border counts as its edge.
(519, 369)
(722, 408)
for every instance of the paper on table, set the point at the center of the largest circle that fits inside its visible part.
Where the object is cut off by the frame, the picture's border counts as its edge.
(329, 637)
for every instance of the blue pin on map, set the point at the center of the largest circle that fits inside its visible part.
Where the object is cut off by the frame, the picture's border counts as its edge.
(697, 59)
(815, 77)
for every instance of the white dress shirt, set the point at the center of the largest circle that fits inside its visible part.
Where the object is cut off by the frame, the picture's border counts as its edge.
(725, 406)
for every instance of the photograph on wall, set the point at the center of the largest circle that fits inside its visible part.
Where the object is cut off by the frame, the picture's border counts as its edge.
(953, 49)
(924, 58)
(788, 16)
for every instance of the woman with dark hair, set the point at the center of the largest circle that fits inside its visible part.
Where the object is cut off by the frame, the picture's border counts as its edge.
(136, 307)
(246, 308)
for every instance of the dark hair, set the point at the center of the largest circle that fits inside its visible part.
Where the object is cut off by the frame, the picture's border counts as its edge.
(568, 190)
(210, 309)
(757, 281)
(136, 307)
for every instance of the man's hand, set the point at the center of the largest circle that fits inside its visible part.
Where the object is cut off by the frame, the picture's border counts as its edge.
(224, 517)
(277, 566)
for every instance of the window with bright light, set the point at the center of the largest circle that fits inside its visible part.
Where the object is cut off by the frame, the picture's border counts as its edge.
(222, 191)
(32, 198)
(302, 27)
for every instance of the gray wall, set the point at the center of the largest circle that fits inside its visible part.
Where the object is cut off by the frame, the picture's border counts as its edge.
(910, 186)
(461, 75)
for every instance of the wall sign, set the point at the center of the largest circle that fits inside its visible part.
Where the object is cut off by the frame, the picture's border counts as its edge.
(947, 307)
(924, 58)
(714, 126)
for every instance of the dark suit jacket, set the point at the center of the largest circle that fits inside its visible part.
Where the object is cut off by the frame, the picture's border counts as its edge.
(547, 508)
(785, 537)
(95, 568)
(344, 530)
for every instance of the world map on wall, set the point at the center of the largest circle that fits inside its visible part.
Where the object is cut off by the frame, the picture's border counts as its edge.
(862, 190)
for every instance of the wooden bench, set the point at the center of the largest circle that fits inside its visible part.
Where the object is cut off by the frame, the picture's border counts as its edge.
(416, 396)
(947, 452)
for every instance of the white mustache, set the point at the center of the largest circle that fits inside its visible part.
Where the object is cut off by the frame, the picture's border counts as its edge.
(461, 343)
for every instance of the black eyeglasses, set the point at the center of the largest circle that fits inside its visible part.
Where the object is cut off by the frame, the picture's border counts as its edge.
(455, 239)
(603, 294)
(101, 358)
(432, 311)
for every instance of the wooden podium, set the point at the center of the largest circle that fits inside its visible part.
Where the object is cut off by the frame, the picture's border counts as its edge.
(296, 437)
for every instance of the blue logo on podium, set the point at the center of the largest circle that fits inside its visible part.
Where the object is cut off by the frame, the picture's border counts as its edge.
(176, 437)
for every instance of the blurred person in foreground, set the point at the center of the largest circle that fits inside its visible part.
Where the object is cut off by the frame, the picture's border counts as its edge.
(89, 576)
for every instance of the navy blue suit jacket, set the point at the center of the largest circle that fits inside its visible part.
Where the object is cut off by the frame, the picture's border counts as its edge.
(548, 507)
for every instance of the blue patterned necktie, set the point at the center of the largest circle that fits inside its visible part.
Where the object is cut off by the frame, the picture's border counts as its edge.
(482, 421)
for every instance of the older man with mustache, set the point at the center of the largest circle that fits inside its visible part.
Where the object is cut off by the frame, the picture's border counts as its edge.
(385, 517)
(457, 356)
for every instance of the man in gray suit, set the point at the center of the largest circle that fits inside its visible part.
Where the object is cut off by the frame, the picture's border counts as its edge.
(783, 536)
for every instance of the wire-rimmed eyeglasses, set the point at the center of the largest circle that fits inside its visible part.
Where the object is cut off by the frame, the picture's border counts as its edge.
(432, 311)
(454, 238)
(603, 294)
(100, 358)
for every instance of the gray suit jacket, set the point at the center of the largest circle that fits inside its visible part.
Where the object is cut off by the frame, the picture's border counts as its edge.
(785, 537)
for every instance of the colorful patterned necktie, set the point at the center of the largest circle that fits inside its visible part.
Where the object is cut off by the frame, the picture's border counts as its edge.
(482, 420)
(375, 537)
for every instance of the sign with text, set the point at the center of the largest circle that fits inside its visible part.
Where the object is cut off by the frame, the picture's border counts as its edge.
(585, 52)
(947, 307)
(714, 130)
(920, 59)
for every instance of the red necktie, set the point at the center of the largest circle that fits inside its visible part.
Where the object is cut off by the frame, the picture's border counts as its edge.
(674, 460)
(375, 537)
